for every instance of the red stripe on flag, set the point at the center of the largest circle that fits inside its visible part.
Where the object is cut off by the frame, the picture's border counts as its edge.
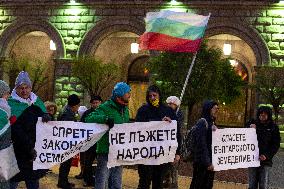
(162, 42)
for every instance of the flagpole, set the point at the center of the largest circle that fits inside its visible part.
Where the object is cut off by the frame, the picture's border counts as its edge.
(187, 77)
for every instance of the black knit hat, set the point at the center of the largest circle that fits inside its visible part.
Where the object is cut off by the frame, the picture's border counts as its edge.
(96, 97)
(73, 100)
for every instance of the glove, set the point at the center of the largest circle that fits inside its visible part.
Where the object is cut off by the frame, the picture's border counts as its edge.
(110, 122)
(33, 154)
(46, 118)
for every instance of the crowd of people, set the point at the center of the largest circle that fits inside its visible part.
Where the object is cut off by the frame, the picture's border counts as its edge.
(19, 113)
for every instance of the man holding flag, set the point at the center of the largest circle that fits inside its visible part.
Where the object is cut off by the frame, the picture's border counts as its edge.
(175, 32)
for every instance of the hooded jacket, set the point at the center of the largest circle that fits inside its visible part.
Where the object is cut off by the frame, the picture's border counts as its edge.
(203, 147)
(268, 135)
(148, 112)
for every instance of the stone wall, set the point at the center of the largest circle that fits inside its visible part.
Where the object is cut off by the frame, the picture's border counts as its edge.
(79, 28)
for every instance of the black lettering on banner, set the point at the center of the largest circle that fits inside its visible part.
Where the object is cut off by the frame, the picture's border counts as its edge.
(61, 132)
(141, 138)
(252, 147)
(89, 134)
(50, 158)
(145, 154)
(118, 138)
(120, 155)
(233, 148)
(113, 137)
(135, 152)
(57, 145)
(83, 132)
(153, 152)
(121, 138)
(50, 144)
(173, 134)
(73, 143)
(233, 137)
(54, 133)
(161, 151)
(45, 144)
(234, 159)
(167, 133)
(64, 145)
(128, 154)
(130, 137)
(169, 150)
(76, 133)
(68, 131)
(151, 136)
(160, 135)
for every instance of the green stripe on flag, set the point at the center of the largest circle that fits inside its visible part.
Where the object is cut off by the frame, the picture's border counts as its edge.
(175, 29)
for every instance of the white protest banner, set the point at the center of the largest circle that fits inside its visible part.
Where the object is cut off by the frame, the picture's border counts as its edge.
(149, 143)
(234, 148)
(58, 141)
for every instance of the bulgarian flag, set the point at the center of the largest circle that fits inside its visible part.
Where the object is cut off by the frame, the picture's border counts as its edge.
(173, 31)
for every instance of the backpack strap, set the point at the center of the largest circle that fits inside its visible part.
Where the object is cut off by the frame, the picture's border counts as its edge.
(204, 121)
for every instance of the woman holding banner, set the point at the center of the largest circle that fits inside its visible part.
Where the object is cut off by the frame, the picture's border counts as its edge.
(26, 108)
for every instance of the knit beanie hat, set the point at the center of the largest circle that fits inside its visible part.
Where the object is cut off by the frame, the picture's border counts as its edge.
(120, 89)
(23, 78)
(82, 110)
(174, 100)
(73, 100)
(96, 97)
(4, 88)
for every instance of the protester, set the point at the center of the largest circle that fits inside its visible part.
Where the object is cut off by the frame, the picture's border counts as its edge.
(5, 129)
(81, 111)
(113, 111)
(68, 114)
(268, 138)
(51, 109)
(26, 107)
(90, 154)
(171, 177)
(154, 110)
(203, 170)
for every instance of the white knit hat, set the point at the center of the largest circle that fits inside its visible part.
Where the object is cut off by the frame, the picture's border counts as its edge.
(23, 78)
(81, 110)
(4, 88)
(174, 100)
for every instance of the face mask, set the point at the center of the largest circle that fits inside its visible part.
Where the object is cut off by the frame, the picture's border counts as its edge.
(155, 102)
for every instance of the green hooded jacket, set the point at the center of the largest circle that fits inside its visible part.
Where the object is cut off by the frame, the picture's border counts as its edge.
(108, 109)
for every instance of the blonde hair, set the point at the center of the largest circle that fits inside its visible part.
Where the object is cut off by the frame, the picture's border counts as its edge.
(49, 104)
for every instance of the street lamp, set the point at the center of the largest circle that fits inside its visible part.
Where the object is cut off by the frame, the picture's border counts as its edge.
(134, 48)
(52, 46)
(227, 49)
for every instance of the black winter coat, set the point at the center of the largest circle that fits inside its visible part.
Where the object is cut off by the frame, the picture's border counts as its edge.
(268, 137)
(203, 137)
(24, 137)
(150, 113)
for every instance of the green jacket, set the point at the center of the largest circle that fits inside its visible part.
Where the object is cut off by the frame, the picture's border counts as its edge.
(108, 109)
(3, 119)
(5, 133)
(18, 107)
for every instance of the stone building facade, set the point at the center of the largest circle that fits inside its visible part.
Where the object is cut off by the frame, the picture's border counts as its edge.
(107, 28)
